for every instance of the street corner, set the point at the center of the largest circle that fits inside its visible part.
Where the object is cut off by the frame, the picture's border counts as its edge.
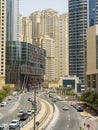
(89, 124)
(85, 114)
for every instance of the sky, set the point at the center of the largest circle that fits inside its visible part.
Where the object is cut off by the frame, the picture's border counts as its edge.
(26, 7)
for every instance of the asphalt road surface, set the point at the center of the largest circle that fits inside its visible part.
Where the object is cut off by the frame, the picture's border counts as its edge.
(10, 111)
(67, 120)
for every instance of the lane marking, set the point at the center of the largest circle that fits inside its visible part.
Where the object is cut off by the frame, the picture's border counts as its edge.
(67, 125)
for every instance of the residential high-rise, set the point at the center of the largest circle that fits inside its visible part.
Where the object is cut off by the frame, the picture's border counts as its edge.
(36, 24)
(50, 22)
(48, 44)
(25, 29)
(2, 41)
(12, 20)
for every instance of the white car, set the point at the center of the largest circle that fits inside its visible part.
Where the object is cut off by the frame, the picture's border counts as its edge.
(3, 104)
(20, 113)
(65, 108)
(14, 124)
(29, 112)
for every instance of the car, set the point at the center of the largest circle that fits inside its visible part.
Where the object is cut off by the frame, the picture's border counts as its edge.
(14, 124)
(3, 104)
(65, 108)
(29, 99)
(15, 93)
(4, 127)
(54, 99)
(29, 112)
(24, 116)
(20, 112)
(79, 109)
(32, 110)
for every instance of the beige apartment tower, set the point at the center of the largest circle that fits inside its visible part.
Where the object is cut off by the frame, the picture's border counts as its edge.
(92, 58)
(50, 27)
(48, 44)
(25, 29)
(2, 41)
(49, 22)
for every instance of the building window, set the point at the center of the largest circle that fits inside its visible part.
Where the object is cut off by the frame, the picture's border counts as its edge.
(97, 52)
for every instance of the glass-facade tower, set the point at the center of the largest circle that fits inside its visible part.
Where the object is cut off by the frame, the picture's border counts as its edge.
(78, 23)
(93, 12)
(82, 14)
(12, 14)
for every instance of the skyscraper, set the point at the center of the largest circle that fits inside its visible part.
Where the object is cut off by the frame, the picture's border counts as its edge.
(2, 41)
(25, 29)
(49, 22)
(12, 20)
(93, 12)
(82, 14)
(78, 23)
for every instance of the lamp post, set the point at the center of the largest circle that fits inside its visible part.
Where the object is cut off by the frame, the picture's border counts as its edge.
(34, 108)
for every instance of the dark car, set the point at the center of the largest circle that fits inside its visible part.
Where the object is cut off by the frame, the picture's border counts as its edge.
(79, 109)
(24, 116)
(54, 99)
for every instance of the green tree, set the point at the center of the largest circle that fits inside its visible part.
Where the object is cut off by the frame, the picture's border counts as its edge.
(7, 89)
(68, 90)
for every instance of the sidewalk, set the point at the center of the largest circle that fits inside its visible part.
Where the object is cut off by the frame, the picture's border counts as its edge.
(85, 114)
(89, 122)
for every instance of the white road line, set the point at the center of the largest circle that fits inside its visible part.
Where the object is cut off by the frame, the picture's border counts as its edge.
(67, 125)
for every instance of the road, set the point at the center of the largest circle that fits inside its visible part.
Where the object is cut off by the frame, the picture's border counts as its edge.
(67, 120)
(11, 110)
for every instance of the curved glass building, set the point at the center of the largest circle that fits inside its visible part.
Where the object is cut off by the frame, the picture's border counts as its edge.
(25, 64)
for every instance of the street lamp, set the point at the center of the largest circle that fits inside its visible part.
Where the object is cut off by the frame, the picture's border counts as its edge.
(34, 108)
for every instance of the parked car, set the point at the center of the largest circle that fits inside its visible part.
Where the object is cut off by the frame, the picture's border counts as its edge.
(79, 109)
(29, 112)
(65, 108)
(15, 93)
(20, 112)
(3, 104)
(24, 116)
(29, 99)
(14, 124)
(32, 110)
(54, 99)
(4, 127)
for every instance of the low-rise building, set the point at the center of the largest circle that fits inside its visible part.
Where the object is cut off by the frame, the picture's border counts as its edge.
(72, 81)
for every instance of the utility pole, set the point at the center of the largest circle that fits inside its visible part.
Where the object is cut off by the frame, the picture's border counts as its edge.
(34, 108)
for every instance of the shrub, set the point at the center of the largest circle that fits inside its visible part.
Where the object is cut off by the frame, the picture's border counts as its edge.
(6, 88)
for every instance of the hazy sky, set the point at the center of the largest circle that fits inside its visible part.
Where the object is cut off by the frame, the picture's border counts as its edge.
(28, 6)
